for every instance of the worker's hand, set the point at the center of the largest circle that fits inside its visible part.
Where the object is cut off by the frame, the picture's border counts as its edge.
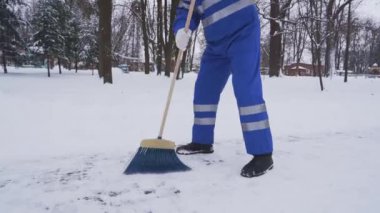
(182, 39)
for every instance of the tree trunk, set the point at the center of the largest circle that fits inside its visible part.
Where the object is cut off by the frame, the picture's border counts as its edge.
(319, 46)
(105, 44)
(76, 66)
(170, 39)
(193, 50)
(160, 34)
(284, 39)
(301, 46)
(275, 40)
(316, 8)
(59, 65)
(143, 8)
(183, 64)
(283, 46)
(313, 59)
(348, 40)
(331, 16)
(338, 43)
(320, 69)
(48, 65)
(355, 46)
(329, 39)
(69, 65)
(5, 63)
(168, 59)
(329, 56)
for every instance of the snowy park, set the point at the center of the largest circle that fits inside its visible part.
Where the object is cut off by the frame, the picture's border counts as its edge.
(66, 141)
(189, 106)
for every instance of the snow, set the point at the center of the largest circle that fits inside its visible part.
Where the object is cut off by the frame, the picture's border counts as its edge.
(65, 142)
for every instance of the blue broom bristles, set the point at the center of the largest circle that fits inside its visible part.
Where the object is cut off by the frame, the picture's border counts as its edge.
(153, 160)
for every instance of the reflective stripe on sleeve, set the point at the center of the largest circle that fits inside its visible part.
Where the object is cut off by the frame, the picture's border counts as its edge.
(231, 9)
(184, 5)
(251, 110)
(205, 5)
(208, 3)
(200, 10)
(253, 126)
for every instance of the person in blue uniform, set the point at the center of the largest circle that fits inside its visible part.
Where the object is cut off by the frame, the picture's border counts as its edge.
(232, 32)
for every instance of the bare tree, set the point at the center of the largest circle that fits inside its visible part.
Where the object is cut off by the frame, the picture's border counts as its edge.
(160, 35)
(312, 20)
(133, 37)
(277, 15)
(348, 39)
(332, 14)
(169, 40)
(120, 26)
(339, 40)
(105, 37)
(143, 11)
(298, 39)
(192, 53)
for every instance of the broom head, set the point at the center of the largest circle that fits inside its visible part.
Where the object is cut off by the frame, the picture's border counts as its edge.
(156, 156)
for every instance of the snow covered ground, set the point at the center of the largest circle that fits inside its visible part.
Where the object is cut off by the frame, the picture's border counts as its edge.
(65, 141)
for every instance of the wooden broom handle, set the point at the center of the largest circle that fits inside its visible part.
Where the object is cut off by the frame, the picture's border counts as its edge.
(176, 69)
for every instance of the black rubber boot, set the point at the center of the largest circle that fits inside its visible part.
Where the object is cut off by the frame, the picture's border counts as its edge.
(259, 165)
(194, 148)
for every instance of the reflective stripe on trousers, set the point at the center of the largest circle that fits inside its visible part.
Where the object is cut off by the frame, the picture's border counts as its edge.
(205, 108)
(251, 111)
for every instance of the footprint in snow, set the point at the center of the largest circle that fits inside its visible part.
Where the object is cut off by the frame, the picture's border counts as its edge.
(210, 162)
(96, 199)
(73, 176)
(5, 183)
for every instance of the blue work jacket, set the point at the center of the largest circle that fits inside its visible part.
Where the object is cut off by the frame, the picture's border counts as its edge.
(220, 18)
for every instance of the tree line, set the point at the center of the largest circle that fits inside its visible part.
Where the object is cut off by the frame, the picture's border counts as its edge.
(98, 33)
(45, 31)
(330, 30)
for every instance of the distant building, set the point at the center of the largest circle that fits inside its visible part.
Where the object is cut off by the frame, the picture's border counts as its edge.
(301, 69)
(374, 70)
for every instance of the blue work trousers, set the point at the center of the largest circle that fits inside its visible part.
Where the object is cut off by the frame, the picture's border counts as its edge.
(239, 56)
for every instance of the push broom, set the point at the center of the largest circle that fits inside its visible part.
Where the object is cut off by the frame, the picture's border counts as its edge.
(158, 155)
